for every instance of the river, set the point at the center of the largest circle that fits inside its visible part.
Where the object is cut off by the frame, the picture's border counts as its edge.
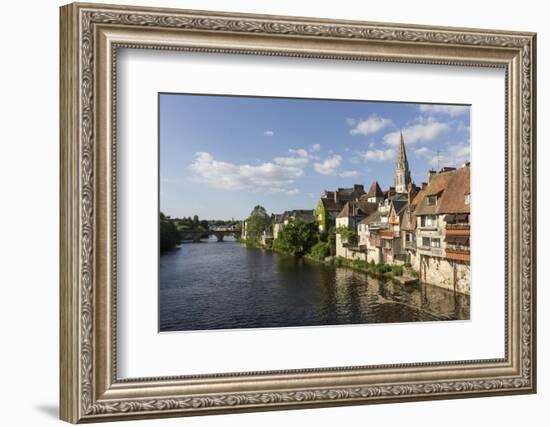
(211, 285)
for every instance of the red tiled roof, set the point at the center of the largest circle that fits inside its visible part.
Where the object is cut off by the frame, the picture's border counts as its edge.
(438, 183)
(454, 197)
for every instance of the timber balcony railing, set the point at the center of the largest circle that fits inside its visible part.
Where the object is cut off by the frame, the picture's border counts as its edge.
(389, 233)
(458, 253)
(457, 230)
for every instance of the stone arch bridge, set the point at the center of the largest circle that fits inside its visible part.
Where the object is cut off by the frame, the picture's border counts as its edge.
(197, 235)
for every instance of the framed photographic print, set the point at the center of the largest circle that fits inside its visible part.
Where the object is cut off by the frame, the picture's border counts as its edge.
(265, 212)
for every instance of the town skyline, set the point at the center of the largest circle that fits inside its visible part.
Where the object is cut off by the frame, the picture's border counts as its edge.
(291, 150)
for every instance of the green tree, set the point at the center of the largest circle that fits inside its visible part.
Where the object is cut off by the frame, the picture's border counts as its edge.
(320, 251)
(169, 234)
(297, 238)
(347, 234)
(256, 223)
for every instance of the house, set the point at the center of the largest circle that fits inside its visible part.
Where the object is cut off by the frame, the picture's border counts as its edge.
(392, 250)
(368, 233)
(273, 228)
(408, 226)
(280, 221)
(444, 200)
(349, 217)
(455, 206)
(375, 193)
(332, 202)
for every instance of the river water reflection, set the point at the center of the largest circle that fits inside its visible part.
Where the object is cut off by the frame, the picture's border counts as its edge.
(225, 286)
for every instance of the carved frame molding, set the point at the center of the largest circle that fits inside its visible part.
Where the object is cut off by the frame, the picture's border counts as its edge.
(90, 36)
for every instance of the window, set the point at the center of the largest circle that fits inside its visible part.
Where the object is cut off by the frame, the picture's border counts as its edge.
(435, 243)
(426, 242)
(431, 200)
(428, 221)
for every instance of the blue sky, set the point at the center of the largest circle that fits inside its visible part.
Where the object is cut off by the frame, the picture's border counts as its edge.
(222, 155)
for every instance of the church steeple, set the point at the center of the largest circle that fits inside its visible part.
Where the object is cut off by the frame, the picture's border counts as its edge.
(402, 172)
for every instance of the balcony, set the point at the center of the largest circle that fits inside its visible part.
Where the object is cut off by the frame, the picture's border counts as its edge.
(389, 233)
(458, 254)
(457, 230)
(430, 251)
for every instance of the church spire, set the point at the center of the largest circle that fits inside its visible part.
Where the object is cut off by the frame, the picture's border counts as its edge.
(402, 172)
(402, 155)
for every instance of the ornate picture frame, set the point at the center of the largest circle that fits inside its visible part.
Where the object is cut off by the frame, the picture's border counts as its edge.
(90, 37)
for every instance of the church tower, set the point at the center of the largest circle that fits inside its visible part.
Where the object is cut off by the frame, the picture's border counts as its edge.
(402, 172)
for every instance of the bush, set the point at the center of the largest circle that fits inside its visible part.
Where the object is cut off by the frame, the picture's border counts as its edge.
(339, 261)
(320, 251)
(397, 270)
(381, 268)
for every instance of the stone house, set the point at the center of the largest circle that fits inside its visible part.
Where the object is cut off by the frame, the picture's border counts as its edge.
(368, 232)
(444, 200)
(332, 202)
(349, 217)
(408, 226)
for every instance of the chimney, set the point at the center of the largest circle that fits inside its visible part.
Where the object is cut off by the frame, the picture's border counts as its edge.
(431, 173)
(359, 188)
(423, 185)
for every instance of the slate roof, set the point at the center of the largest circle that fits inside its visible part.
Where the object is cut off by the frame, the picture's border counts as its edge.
(357, 208)
(372, 218)
(375, 190)
(399, 205)
(331, 205)
(307, 215)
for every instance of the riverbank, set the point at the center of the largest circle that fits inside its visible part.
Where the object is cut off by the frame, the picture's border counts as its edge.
(397, 273)
(380, 270)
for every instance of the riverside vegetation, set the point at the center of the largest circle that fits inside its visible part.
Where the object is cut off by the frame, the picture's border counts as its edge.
(303, 239)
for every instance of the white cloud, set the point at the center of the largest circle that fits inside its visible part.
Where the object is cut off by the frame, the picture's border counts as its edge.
(450, 110)
(428, 130)
(229, 176)
(424, 152)
(347, 174)
(460, 150)
(454, 155)
(329, 166)
(298, 157)
(269, 133)
(371, 125)
(315, 147)
(293, 192)
(378, 155)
